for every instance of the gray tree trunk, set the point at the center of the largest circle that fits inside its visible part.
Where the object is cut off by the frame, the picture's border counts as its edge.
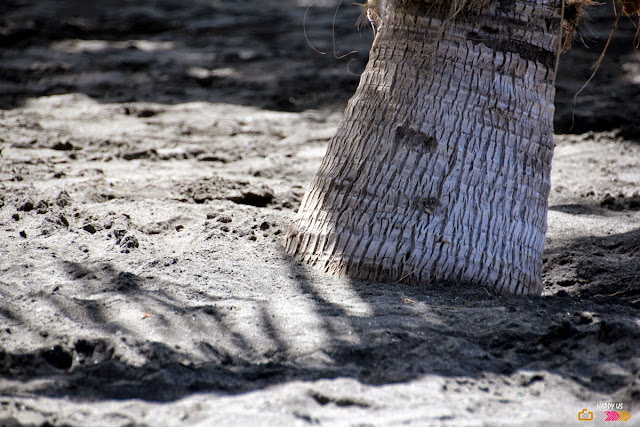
(441, 168)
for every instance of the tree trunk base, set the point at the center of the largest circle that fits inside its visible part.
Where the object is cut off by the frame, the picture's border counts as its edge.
(441, 168)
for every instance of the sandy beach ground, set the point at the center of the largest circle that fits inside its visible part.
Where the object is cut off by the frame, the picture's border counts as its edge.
(152, 154)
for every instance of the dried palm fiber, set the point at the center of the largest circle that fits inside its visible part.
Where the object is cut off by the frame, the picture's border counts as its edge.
(447, 9)
(573, 11)
(572, 17)
(629, 7)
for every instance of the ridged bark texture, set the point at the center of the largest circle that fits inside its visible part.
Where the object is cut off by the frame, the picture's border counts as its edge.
(441, 168)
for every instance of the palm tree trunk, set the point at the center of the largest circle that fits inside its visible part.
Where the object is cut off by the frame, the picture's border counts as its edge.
(441, 168)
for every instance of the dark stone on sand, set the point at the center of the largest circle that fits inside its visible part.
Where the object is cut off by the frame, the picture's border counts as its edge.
(26, 206)
(58, 357)
(142, 154)
(258, 197)
(62, 146)
(129, 242)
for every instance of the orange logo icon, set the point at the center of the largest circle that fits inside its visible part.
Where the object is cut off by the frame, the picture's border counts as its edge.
(585, 416)
(624, 416)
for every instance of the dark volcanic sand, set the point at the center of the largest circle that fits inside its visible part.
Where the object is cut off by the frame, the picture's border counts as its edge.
(152, 155)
